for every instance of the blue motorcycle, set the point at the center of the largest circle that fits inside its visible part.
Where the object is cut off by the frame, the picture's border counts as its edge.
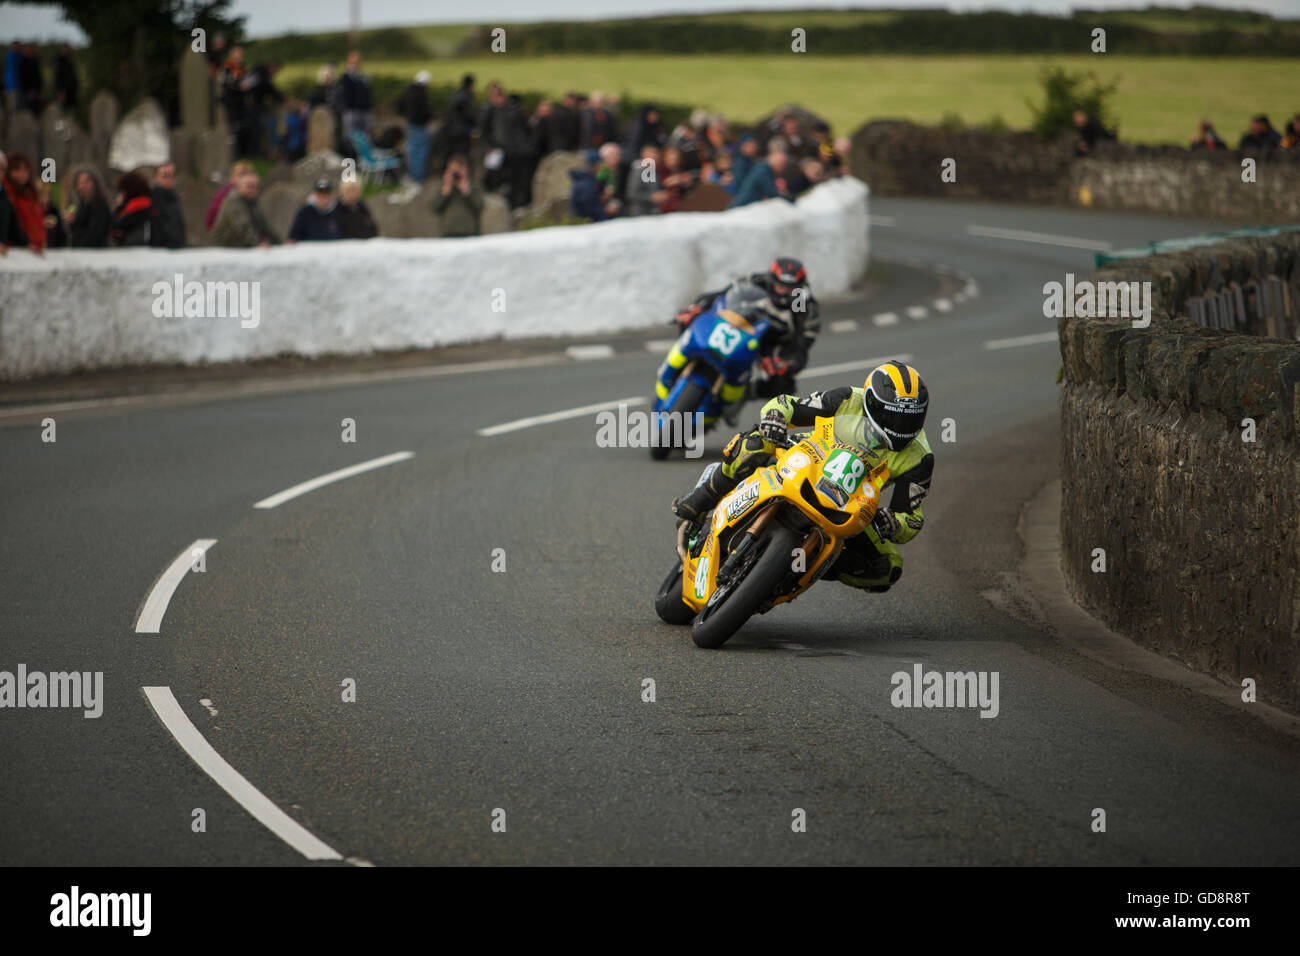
(707, 372)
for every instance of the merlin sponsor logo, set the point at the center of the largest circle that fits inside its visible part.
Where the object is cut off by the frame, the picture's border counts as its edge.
(75, 689)
(742, 499)
(946, 689)
(132, 910)
(642, 429)
(208, 300)
(1098, 300)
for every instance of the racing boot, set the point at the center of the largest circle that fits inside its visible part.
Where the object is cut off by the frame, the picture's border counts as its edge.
(707, 493)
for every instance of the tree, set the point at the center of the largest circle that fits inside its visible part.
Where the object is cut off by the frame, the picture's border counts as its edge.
(1065, 92)
(135, 44)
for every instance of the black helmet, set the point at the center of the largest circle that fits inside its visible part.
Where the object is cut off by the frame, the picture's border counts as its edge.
(747, 300)
(896, 401)
(784, 276)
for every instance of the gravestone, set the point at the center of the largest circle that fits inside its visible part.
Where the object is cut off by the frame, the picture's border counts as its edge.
(63, 141)
(496, 215)
(141, 139)
(195, 195)
(413, 219)
(103, 120)
(196, 112)
(78, 148)
(322, 131)
(280, 203)
(552, 185)
(213, 151)
(182, 151)
(327, 164)
(25, 138)
(50, 122)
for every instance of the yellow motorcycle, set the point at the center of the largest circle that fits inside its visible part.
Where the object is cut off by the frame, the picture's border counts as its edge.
(777, 532)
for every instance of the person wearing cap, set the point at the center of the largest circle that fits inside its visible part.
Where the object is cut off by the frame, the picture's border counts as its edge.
(318, 220)
(585, 200)
(415, 109)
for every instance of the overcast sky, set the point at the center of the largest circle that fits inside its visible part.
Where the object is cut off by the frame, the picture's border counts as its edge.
(267, 17)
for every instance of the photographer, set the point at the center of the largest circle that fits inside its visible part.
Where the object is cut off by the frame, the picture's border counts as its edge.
(459, 204)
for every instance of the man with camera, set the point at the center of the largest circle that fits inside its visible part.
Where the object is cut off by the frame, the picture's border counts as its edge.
(459, 204)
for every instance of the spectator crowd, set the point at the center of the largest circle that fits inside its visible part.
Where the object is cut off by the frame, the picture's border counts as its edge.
(1260, 140)
(471, 148)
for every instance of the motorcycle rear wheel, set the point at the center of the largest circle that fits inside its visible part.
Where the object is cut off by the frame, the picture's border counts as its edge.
(668, 600)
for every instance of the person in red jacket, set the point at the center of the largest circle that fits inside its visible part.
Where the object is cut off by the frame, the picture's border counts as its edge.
(133, 215)
(28, 227)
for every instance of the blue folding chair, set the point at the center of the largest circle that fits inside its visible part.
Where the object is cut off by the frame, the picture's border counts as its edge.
(372, 161)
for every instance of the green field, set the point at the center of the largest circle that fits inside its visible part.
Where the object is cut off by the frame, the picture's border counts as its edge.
(1159, 100)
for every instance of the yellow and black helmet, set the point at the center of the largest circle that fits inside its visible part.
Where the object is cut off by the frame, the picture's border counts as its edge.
(896, 401)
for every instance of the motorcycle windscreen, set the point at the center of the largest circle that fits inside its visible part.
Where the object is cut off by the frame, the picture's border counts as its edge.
(857, 432)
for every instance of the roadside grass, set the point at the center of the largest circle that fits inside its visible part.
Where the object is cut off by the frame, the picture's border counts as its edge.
(1159, 99)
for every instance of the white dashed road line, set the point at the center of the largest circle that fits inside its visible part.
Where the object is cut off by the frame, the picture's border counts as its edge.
(155, 605)
(290, 493)
(917, 312)
(845, 325)
(660, 345)
(560, 416)
(884, 318)
(942, 305)
(993, 232)
(231, 780)
(586, 353)
(1041, 338)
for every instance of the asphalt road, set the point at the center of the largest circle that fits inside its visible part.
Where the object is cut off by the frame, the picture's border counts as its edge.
(522, 690)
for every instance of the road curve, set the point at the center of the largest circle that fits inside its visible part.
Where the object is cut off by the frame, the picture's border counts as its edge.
(521, 690)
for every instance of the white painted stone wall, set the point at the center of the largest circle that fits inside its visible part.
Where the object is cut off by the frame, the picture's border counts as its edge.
(90, 309)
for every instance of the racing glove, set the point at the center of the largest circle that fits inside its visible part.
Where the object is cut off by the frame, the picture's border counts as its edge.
(774, 428)
(687, 315)
(886, 524)
(774, 365)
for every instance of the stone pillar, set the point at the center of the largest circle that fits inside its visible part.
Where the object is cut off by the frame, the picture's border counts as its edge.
(196, 106)
(104, 113)
(322, 132)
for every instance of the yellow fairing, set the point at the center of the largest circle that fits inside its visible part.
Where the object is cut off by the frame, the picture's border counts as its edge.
(791, 481)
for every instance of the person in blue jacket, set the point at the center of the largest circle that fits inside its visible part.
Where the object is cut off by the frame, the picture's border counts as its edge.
(586, 197)
(765, 181)
(319, 218)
